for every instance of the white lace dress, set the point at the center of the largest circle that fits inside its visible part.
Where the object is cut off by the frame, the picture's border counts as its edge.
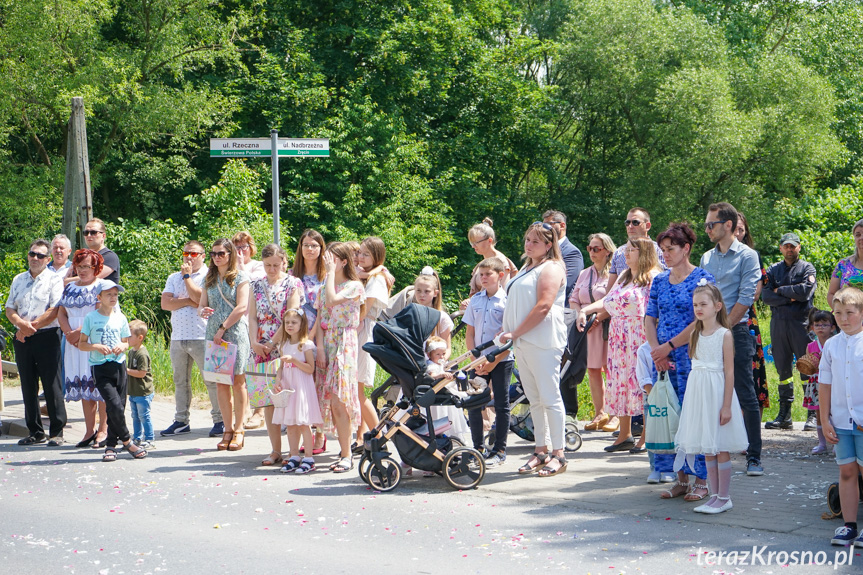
(699, 430)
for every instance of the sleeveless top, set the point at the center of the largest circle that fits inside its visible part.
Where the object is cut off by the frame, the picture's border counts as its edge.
(708, 353)
(521, 297)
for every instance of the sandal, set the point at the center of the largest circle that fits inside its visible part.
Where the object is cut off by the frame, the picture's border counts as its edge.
(139, 453)
(110, 455)
(226, 441)
(541, 459)
(670, 494)
(238, 442)
(307, 466)
(693, 496)
(291, 465)
(271, 460)
(548, 470)
(343, 465)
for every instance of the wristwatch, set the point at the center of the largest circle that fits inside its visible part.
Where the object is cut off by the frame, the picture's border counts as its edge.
(222, 327)
(186, 276)
(670, 343)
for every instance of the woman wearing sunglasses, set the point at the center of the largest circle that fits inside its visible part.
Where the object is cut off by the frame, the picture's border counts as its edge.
(223, 304)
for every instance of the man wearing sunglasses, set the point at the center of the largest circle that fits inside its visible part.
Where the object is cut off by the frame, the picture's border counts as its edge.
(32, 309)
(789, 291)
(94, 236)
(737, 272)
(572, 258)
(637, 226)
(180, 297)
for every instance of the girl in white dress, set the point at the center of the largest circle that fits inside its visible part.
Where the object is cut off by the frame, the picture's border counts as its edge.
(296, 374)
(710, 419)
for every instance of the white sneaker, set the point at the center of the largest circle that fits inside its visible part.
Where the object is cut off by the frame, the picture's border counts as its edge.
(667, 477)
(653, 477)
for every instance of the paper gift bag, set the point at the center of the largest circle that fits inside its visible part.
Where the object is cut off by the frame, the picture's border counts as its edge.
(219, 362)
(259, 379)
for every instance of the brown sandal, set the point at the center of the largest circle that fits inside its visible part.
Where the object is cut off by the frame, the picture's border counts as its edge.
(541, 459)
(226, 441)
(238, 441)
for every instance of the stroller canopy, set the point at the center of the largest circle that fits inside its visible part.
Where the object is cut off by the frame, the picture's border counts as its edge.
(399, 341)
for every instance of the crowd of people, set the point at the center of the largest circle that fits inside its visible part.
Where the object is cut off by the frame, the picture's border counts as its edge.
(653, 312)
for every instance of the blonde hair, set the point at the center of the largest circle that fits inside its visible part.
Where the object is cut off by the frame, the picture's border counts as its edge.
(484, 230)
(353, 245)
(433, 281)
(431, 340)
(721, 316)
(647, 262)
(547, 233)
(850, 296)
(304, 327)
(138, 327)
(493, 263)
(609, 246)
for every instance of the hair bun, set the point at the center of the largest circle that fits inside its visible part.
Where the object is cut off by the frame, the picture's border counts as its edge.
(427, 271)
(488, 221)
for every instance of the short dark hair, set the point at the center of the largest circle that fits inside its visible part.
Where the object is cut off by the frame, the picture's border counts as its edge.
(41, 243)
(642, 210)
(197, 245)
(559, 216)
(679, 233)
(725, 212)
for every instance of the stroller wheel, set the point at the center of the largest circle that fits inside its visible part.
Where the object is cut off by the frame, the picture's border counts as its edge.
(364, 467)
(386, 480)
(463, 468)
(456, 442)
(573, 438)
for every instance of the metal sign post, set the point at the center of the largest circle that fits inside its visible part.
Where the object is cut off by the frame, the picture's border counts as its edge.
(262, 147)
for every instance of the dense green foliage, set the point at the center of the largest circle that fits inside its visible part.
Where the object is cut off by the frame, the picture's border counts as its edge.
(439, 113)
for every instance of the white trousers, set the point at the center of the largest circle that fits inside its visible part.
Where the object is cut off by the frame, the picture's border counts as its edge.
(539, 371)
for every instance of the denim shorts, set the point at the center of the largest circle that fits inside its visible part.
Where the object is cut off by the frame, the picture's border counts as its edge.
(850, 446)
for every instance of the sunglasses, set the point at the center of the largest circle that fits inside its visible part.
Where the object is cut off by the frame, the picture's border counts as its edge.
(633, 223)
(709, 225)
(594, 249)
(192, 254)
(91, 232)
(544, 225)
(37, 255)
(218, 254)
(242, 247)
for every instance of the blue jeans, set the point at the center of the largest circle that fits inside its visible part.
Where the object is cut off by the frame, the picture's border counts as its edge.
(142, 423)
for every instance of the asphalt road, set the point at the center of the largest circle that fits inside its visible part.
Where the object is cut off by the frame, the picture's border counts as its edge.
(188, 509)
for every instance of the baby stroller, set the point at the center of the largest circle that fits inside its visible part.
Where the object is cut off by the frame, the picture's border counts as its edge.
(572, 370)
(420, 440)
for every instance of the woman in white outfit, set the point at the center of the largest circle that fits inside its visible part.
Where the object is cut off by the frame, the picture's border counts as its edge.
(533, 319)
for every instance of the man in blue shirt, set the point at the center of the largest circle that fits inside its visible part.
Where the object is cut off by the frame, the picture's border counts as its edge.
(737, 272)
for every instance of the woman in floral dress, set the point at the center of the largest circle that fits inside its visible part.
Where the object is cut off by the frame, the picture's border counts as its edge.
(339, 307)
(626, 303)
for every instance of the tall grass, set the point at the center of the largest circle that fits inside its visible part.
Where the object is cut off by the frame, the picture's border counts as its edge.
(163, 373)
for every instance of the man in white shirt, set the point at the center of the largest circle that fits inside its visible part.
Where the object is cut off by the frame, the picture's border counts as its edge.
(32, 309)
(61, 249)
(181, 296)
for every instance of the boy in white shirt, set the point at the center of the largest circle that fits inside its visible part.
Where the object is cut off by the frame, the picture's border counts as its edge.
(840, 388)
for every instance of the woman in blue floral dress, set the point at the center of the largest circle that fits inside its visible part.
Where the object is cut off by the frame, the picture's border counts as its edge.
(668, 324)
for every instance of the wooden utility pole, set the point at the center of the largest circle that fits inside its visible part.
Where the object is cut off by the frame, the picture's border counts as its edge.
(77, 195)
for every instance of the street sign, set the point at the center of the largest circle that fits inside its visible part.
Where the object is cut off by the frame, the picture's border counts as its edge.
(262, 147)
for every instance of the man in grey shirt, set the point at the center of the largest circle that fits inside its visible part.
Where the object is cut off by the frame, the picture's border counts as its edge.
(735, 267)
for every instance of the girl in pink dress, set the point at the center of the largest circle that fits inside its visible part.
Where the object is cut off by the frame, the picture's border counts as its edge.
(823, 325)
(296, 371)
(339, 306)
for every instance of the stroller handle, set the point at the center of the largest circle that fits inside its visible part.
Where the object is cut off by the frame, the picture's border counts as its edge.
(490, 356)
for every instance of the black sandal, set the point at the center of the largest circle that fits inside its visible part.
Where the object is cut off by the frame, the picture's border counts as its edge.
(139, 453)
(541, 459)
(110, 455)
